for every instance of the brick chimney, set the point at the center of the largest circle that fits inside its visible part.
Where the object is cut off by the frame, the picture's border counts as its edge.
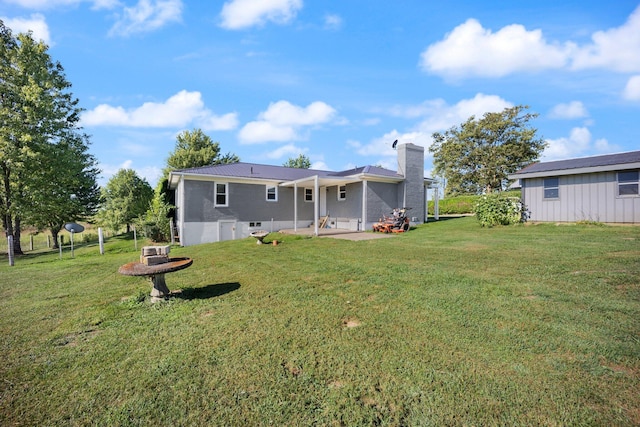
(411, 166)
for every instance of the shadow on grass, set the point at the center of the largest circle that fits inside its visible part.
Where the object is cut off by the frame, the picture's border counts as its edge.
(209, 291)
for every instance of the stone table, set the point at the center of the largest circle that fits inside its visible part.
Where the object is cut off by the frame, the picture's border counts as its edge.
(156, 273)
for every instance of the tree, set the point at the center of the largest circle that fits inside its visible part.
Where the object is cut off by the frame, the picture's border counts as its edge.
(478, 155)
(300, 162)
(195, 149)
(67, 189)
(38, 120)
(125, 198)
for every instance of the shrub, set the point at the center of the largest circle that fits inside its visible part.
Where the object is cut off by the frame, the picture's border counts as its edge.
(496, 209)
(154, 224)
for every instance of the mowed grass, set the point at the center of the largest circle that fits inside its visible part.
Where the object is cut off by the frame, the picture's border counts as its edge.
(449, 324)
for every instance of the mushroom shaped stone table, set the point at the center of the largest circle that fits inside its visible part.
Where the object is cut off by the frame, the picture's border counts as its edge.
(156, 273)
(259, 235)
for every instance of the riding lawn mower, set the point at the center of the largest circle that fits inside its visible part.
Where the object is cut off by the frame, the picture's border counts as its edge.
(397, 222)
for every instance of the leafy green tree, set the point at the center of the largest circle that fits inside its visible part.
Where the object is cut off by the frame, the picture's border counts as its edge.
(300, 162)
(125, 198)
(67, 190)
(37, 115)
(477, 156)
(195, 149)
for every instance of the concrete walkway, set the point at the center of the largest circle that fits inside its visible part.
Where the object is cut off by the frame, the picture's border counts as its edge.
(338, 234)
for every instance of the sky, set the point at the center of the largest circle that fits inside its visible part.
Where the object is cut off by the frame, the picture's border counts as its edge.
(336, 80)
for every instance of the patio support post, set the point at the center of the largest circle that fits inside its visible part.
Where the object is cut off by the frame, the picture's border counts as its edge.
(295, 206)
(316, 203)
(364, 204)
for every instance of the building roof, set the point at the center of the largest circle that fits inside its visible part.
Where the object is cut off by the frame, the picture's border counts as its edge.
(609, 162)
(251, 171)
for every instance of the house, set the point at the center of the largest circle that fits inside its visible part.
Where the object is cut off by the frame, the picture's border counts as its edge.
(230, 201)
(600, 188)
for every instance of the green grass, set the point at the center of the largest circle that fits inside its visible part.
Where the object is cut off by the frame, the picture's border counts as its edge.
(449, 324)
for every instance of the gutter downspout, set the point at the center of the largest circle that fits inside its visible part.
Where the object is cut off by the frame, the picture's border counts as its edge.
(364, 204)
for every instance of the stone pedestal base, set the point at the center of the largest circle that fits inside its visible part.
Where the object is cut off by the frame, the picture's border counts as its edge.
(159, 290)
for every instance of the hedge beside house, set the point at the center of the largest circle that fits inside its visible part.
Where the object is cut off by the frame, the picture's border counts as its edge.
(460, 205)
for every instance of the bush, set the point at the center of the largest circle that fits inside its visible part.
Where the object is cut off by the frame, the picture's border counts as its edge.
(496, 209)
(154, 224)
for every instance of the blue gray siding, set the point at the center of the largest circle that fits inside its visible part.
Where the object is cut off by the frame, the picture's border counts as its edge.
(584, 197)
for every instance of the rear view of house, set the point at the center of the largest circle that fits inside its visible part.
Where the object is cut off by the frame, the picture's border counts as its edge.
(600, 188)
(225, 202)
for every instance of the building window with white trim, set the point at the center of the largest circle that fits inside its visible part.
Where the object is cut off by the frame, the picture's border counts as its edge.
(308, 194)
(342, 192)
(629, 183)
(221, 194)
(551, 188)
(272, 193)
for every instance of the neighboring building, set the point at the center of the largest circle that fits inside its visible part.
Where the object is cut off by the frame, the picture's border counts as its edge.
(225, 202)
(599, 188)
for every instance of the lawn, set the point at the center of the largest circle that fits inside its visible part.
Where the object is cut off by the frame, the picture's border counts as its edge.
(449, 324)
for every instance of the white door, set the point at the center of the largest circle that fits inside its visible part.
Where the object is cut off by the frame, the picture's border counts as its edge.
(226, 230)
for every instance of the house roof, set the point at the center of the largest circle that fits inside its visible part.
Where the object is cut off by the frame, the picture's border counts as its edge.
(255, 171)
(609, 162)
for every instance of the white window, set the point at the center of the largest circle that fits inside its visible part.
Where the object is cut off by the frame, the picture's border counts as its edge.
(628, 183)
(551, 188)
(308, 194)
(342, 192)
(272, 193)
(221, 194)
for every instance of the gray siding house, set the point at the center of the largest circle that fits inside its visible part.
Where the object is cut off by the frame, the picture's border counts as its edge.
(600, 188)
(225, 202)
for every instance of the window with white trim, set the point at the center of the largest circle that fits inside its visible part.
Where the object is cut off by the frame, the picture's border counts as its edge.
(342, 192)
(551, 188)
(308, 194)
(221, 195)
(629, 183)
(272, 193)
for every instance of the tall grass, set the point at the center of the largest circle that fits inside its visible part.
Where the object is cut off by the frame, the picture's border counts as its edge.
(449, 324)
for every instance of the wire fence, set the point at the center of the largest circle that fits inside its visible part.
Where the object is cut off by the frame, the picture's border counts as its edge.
(38, 242)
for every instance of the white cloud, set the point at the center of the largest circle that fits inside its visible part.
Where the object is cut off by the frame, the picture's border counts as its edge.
(282, 120)
(332, 22)
(436, 116)
(577, 144)
(471, 49)
(50, 4)
(35, 23)
(238, 14)
(182, 109)
(616, 49)
(572, 110)
(632, 89)
(286, 150)
(150, 173)
(147, 15)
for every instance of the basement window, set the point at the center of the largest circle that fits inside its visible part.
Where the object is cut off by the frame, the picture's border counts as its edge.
(628, 183)
(551, 188)
(342, 192)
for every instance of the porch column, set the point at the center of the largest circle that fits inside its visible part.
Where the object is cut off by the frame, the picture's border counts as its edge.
(316, 203)
(295, 206)
(364, 204)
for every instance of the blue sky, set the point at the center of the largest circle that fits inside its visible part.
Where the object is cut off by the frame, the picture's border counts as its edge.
(338, 81)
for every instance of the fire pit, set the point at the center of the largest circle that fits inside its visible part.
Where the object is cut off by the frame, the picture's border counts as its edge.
(259, 235)
(155, 263)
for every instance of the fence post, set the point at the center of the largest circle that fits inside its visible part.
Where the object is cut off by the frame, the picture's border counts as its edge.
(101, 240)
(31, 242)
(48, 241)
(173, 235)
(60, 245)
(10, 249)
(135, 238)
